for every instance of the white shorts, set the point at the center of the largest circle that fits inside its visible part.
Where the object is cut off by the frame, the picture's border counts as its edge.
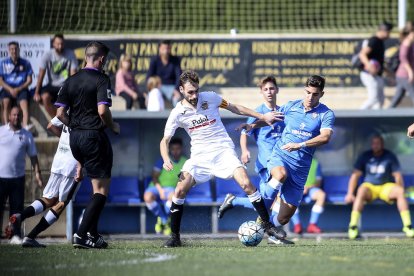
(220, 164)
(59, 186)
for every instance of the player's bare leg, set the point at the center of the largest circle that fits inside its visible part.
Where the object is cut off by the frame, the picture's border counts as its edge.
(397, 193)
(240, 175)
(363, 195)
(319, 198)
(176, 212)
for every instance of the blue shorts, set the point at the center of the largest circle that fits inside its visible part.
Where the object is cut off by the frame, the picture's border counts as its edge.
(263, 175)
(308, 197)
(292, 189)
(167, 191)
(23, 95)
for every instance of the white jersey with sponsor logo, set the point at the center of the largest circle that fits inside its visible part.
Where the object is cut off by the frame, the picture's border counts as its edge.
(63, 163)
(203, 124)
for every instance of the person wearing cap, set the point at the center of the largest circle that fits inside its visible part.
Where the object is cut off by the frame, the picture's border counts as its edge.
(372, 59)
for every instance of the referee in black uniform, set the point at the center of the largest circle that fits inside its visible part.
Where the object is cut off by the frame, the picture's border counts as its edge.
(83, 105)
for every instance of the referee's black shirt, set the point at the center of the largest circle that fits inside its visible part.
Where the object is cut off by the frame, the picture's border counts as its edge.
(82, 93)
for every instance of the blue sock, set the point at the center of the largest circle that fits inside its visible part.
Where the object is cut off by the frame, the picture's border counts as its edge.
(273, 219)
(242, 201)
(271, 190)
(157, 210)
(316, 212)
(295, 219)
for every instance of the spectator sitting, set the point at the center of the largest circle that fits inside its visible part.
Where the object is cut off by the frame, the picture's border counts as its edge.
(15, 78)
(168, 68)
(312, 192)
(59, 63)
(158, 195)
(125, 85)
(405, 71)
(382, 180)
(155, 100)
(372, 59)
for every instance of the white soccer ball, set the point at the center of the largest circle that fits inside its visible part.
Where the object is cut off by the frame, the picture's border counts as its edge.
(250, 233)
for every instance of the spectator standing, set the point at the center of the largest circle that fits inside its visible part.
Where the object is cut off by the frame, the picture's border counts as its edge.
(168, 68)
(15, 78)
(125, 85)
(372, 59)
(155, 100)
(59, 63)
(15, 143)
(405, 71)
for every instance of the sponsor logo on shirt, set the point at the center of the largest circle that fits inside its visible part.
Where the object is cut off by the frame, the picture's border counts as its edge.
(302, 126)
(202, 122)
(204, 105)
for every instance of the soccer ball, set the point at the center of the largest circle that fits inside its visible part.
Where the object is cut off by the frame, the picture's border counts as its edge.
(250, 233)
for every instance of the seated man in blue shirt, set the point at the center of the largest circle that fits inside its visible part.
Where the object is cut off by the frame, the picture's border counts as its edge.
(15, 78)
(382, 180)
(168, 68)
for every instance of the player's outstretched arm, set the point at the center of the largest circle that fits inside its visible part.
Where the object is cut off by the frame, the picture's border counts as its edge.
(245, 154)
(321, 139)
(269, 118)
(164, 153)
(57, 131)
(62, 115)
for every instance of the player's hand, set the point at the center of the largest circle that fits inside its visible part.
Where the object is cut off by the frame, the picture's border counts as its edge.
(349, 198)
(14, 92)
(116, 128)
(36, 96)
(245, 157)
(291, 147)
(39, 179)
(410, 131)
(244, 126)
(168, 166)
(273, 116)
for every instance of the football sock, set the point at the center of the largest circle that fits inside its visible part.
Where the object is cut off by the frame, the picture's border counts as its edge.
(166, 210)
(91, 215)
(242, 201)
(405, 217)
(271, 190)
(355, 215)
(50, 218)
(295, 219)
(176, 213)
(157, 210)
(34, 209)
(258, 204)
(273, 219)
(316, 211)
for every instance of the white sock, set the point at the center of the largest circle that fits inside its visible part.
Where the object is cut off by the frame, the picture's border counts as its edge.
(317, 209)
(151, 205)
(254, 196)
(274, 183)
(37, 206)
(50, 217)
(178, 201)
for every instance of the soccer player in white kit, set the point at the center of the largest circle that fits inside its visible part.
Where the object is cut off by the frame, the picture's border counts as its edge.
(212, 150)
(60, 189)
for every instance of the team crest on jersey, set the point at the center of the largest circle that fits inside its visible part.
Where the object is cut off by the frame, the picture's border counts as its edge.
(109, 93)
(302, 125)
(314, 115)
(204, 105)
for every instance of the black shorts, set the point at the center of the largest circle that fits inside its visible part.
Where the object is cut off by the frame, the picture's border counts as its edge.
(93, 150)
(23, 95)
(52, 90)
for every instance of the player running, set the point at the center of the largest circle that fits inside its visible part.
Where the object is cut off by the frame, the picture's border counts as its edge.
(212, 150)
(265, 138)
(308, 124)
(62, 186)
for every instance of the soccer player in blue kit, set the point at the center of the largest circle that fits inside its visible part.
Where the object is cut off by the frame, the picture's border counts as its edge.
(265, 138)
(308, 124)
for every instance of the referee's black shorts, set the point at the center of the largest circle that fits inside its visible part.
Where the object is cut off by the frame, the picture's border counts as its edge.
(93, 150)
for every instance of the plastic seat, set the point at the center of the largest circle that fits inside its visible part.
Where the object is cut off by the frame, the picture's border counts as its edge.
(225, 186)
(124, 189)
(84, 193)
(199, 193)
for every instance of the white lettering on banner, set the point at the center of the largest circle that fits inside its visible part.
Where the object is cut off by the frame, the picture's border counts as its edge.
(32, 48)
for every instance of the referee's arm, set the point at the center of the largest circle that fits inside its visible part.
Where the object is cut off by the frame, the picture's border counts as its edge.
(106, 117)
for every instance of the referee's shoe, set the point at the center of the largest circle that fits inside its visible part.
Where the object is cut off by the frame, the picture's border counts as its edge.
(85, 242)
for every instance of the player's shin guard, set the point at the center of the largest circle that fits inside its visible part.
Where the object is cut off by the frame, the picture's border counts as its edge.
(176, 213)
(271, 190)
(91, 216)
(34, 209)
(50, 218)
(258, 203)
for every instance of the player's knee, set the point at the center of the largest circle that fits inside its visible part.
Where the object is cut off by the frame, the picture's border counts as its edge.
(362, 192)
(399, 191)
(279, 173)
(148, 197)
(49, 202)
(321, 195)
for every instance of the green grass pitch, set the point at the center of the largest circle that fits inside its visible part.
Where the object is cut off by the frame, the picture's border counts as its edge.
(215, 257)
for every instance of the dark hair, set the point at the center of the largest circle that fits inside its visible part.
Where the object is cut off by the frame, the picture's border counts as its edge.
(96, 49)
(267, 79)
(15, 43)
(57, 36)
(165, 41)
(377, 136)
(316, 81)
(189, 76)
(385, 26)
(176, 141)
